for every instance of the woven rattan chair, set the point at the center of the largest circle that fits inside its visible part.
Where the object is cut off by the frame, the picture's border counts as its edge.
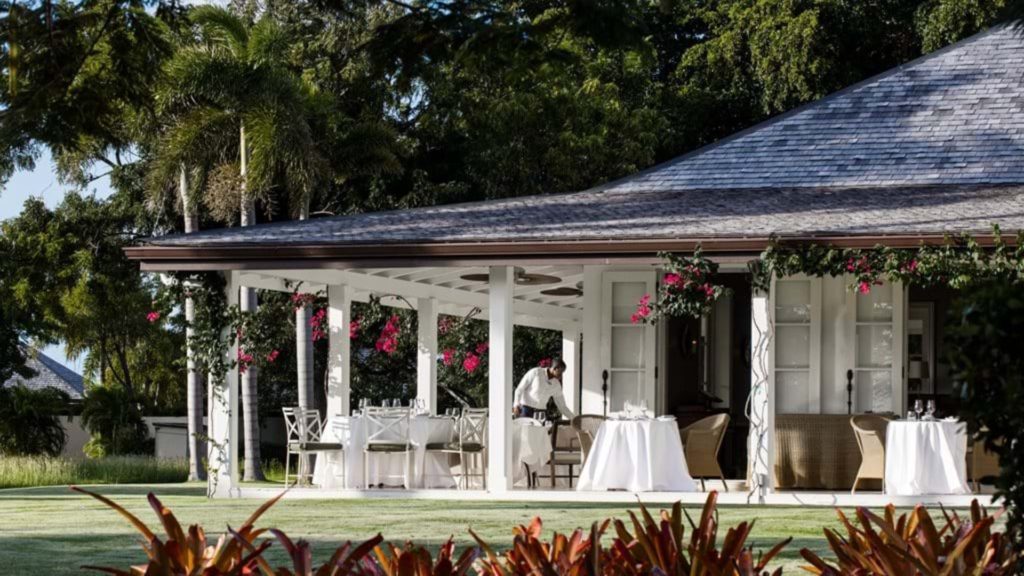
(586, 426)
(870, 432)
(469, 444)
(565, 451)
(701, 443)
(304, 429)
(983, 463)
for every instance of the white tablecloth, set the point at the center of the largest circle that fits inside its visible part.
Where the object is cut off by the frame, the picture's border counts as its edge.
(531, 446)
(925, 458)
(426, 470)
(638, 456)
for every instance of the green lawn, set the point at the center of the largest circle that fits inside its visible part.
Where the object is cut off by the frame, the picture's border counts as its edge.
(54, 531)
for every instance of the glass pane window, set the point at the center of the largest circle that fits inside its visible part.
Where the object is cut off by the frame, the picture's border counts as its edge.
(623, 386)
(874, 346)
(791, 390)
(628, 346)
(792, 346)
(793, 301)
(877, 305)
(625, 297)
(873, 390)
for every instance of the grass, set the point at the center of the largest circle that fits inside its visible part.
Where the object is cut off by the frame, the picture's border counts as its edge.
(29, 471)
(54, 531)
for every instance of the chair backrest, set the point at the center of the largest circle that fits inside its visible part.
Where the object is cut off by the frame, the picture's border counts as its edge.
(387, 425)
(984, 463)
(870, 432)
(472, 426)
(302, 425)
(712, 427)
(586, 426)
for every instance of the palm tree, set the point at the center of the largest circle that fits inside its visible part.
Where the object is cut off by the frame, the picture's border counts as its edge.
(234, 79)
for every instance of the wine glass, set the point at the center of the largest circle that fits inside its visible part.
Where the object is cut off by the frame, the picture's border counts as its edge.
(628, 408)
(643, 407)
(931, 409)
(918, 407)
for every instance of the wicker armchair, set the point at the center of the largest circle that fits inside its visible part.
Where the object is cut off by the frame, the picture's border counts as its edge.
(586, 426)
(870, 432)
(982, 463)
(701, 442)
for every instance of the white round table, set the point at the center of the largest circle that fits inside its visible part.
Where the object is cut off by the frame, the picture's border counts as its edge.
(925, 457)
(531, 446)
(637, 456)
(425, 471)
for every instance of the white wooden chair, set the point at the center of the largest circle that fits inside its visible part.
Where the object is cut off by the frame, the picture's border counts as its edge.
(469, 444)
(387, 433)
(305, 429)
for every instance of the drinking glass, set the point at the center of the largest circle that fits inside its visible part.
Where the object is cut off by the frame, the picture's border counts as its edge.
(911, 416)
(628, 408)
(542, 417)
(918, 408)
(643, 408)
(931, 408)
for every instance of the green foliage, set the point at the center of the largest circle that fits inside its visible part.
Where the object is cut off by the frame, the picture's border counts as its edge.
(988, 374)
(913, 544)
(115, 421)
(30, 421)
(380, 371)
(32, 471)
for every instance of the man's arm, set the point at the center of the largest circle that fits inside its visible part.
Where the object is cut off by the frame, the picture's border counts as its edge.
(560, 402)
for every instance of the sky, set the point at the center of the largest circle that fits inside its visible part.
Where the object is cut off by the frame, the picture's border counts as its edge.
(42, 183)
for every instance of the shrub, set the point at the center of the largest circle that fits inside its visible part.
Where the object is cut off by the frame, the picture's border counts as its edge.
(115, 423)
(911, 544)
(653, 547)
(30, 421)
(987, 367)
(30, 471)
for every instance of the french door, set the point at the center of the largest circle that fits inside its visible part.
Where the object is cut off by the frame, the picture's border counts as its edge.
(628, 352)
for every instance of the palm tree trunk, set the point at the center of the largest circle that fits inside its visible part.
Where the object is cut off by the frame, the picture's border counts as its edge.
(250, 403)
(304, 351)
(194, 399)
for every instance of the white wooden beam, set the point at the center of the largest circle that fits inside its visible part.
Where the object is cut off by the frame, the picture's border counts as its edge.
(426, 352)
(339, 356)
(499, 381)
(420, 290)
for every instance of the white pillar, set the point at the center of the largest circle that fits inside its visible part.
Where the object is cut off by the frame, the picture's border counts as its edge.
(339, 355)
(426, 355)
(761, 449)
(304, 356)
(499, 386)
(571, 357)
(592, 399)
(223, 419)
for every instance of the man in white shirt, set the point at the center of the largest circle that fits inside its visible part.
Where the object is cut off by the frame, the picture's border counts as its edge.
(537, 387)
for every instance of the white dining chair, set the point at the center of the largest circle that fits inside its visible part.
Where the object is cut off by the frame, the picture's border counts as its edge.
(387, 433)
(305, 431)
(469, 444)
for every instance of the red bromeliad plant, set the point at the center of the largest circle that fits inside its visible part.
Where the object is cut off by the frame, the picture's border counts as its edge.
(913, 545)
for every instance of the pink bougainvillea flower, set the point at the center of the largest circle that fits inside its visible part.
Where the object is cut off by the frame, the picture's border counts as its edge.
(544, 363)
(353, 329)
(911, 266)
(864, 287)
(244, 360)
(674, 280)
(709, 290)
(273, 356)
(448, 356)
(470, 363)
(482, 347)
(153, 316)
(444, 325)
(643, 309)
(388, 341)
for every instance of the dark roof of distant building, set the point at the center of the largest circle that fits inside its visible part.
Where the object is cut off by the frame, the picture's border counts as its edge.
(49, 374)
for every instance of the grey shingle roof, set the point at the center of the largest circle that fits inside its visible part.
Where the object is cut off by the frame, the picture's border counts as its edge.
(934, 146)
(50, 374)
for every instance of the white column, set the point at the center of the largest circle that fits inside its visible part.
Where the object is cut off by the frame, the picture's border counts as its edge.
(592, 400)
(223, 419)
(761, 450)
(499, 387)
(571, 357)
(304, 356)
(339, 355)
(426, 355)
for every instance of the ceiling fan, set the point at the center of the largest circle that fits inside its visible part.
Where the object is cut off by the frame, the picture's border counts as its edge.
(565, 290)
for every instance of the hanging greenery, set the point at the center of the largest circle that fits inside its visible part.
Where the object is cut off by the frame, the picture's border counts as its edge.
(687, 290)
(959, 262)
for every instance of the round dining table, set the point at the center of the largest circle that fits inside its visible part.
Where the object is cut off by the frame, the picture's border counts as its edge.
(637, 455)
(925, 457)
(426, 470)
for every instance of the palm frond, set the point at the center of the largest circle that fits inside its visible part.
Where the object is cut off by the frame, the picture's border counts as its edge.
(220, 27)
(268, 43)
(199, 77)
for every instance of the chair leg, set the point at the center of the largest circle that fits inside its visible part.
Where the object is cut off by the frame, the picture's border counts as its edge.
(724, 485)
(287, 462)
(366, 470)
(703, 488)
(855, 482)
